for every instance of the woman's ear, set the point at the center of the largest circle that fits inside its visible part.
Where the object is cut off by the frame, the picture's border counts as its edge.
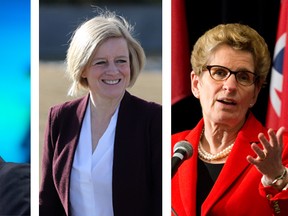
(83, 75)
(194, 84)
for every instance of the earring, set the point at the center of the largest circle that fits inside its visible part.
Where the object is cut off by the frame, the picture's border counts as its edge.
(251, 105)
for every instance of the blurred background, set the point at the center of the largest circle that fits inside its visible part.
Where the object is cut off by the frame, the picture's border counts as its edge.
(15, 85)
(59, 18)
(57, 21)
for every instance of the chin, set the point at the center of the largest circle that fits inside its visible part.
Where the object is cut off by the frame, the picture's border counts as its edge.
(114, 95)
(229, 119)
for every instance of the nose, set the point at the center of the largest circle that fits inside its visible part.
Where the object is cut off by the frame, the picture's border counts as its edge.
(112, 68)
(230, 84)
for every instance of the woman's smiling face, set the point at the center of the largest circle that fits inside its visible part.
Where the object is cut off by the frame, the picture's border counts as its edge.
(108, 74)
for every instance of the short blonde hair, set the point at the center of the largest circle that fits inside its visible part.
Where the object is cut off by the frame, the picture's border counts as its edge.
(237, 36)
(89, 36)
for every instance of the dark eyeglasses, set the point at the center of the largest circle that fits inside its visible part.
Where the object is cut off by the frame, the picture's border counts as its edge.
(220, 73)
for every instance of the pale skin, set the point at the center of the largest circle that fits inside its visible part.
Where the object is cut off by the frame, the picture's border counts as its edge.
(224, 107)
(268, 160)
(108, 76)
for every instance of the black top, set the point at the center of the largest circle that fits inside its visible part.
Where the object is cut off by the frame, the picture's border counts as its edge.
(207, 175)
(14, 188)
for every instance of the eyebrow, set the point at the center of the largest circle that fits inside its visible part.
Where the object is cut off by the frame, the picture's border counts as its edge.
(103, 57)
(242, 69)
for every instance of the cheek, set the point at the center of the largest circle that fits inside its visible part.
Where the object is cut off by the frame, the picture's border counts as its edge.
(126, 70)
(127, 74)
(206, 97)
(90, 72)
(249, 97)
(208, 90)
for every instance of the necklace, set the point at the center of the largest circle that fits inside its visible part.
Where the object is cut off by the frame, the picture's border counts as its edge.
(210, 157)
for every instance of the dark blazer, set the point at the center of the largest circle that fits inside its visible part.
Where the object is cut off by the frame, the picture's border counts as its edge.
(238, 189)
(137, 165)
(14, 188)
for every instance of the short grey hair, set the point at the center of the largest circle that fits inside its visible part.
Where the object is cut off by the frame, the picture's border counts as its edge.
(238, 36)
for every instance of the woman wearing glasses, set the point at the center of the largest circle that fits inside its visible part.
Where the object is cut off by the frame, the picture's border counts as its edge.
(238, 167)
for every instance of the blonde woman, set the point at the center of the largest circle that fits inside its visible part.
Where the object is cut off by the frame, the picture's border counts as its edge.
(102, 152)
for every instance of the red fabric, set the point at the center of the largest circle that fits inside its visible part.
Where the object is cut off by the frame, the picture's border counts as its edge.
(277, 113)
(180, 53)
(236, 191)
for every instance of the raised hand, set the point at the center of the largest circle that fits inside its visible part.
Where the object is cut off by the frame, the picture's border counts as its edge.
(269, 157)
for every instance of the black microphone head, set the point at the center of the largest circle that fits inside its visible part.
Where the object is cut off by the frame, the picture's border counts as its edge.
(185, 146)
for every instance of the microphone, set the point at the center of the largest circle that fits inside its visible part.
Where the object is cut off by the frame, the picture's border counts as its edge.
(182, 151)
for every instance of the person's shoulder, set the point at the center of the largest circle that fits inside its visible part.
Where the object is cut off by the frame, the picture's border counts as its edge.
(142, 103)
(180, 135)
(68, 107)
(15, 188)
(9, 170)
(70, 103)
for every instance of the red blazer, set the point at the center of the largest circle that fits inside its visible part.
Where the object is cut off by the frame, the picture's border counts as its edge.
(238, 190)
(137, 164)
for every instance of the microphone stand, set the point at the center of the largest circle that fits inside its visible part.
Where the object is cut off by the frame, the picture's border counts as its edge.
(173, 173)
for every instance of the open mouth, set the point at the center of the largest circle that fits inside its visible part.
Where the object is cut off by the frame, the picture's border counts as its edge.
(227, 102)
(111, 82)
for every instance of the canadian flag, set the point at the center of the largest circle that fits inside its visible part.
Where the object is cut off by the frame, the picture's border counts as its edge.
(277, 112)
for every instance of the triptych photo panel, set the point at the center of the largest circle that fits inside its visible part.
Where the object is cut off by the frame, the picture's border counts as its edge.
(149, 107)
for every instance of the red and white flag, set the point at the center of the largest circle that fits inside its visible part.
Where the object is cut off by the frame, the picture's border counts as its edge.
(277, 112)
